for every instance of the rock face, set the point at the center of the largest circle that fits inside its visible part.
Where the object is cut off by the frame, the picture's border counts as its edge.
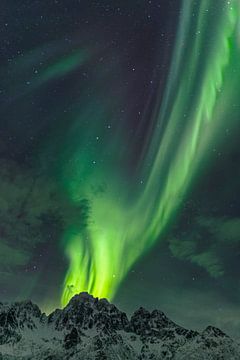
(93, 329)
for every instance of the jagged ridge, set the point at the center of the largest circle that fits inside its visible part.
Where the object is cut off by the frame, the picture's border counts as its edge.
(91, 328)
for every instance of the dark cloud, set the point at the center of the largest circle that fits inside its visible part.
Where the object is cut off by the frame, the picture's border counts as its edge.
(33, 212)
(188, 250)
(225, 230)
(206, 243)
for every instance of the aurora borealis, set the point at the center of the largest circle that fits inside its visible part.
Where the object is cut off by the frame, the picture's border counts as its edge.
(114, 114)
(137, 224)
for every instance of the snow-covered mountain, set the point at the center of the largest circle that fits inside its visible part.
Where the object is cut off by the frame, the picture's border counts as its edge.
(90, 328)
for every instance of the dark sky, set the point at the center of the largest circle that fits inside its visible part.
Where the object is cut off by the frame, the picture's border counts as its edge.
(101, 106)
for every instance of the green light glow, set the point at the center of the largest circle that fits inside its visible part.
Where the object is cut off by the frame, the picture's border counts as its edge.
(62, 67)
(124, 224)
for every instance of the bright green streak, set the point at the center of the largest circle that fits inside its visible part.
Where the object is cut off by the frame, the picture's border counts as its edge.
(199, 90)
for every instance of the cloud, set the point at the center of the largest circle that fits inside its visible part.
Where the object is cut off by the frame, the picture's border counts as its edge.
(209, 242)
(209, 261)
(188, 250)
(33, 211)
(10, 256)
(226, 230)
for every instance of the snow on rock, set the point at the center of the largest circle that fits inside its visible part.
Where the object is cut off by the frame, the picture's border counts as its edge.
(89, 328)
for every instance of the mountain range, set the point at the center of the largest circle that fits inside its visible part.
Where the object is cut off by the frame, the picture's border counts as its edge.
(89, 328)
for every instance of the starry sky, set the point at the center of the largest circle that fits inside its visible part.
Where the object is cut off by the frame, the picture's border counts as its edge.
(119, 155)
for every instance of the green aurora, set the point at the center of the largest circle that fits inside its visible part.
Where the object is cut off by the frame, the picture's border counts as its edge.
(126, 209)
(126, 223)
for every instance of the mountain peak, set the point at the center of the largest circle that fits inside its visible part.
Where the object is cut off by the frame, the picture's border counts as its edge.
(214, 331)
(83, 297)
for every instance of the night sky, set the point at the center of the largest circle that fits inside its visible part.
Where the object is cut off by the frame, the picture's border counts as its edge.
(119, 155)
